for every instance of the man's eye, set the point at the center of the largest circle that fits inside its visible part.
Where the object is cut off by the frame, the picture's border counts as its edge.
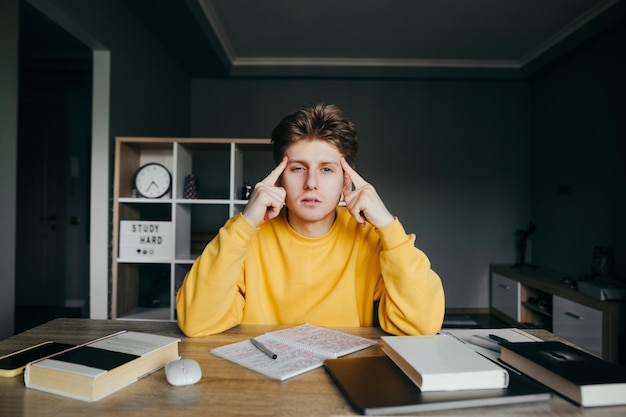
(327, 169)
(298, 168)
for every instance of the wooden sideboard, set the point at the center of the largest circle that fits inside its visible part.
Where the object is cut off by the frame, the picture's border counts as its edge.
(528, 296)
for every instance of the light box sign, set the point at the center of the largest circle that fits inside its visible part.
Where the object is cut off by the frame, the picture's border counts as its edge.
(145, 239)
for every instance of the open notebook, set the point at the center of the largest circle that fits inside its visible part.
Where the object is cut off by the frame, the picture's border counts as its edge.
(298, 349)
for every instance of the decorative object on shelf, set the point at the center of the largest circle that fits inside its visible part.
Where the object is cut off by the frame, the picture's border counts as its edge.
(246, 191)
(542, 302)
(522, 237)
(192, 185)
(152, 180)
(602, 264)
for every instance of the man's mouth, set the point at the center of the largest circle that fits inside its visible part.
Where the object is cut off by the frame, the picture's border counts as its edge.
(310, 201)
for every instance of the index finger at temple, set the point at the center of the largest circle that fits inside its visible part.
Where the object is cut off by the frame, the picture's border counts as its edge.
(273, 176)
(357, 180)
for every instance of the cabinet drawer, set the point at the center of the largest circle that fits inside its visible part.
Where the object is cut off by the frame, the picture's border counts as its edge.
(505, 296)
(578, 323)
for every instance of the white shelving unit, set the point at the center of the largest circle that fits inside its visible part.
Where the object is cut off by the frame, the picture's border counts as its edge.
(144, 288)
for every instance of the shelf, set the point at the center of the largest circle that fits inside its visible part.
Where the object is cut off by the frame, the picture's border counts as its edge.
(138, 200)
(536, 309)
(204, 201)
(144, 260)
(189, 261)
(222, 167)
(145, 313)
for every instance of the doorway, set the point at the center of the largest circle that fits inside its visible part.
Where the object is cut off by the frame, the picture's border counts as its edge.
(53, 191)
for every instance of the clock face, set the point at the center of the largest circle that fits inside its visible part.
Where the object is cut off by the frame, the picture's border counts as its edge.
(153, 180)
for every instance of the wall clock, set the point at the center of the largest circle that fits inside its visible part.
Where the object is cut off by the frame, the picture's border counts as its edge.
(153, 180)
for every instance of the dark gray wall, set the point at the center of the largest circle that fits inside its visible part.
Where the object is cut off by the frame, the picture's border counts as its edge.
(149, 95)
(149, 89)
(8, 160)
(579, 155)
(450, 158)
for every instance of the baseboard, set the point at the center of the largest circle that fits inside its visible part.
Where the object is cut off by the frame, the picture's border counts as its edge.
(450, 311)
(74, 304)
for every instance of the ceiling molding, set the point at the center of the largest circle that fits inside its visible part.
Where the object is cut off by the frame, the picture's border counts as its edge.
(375, 63)
(569, 30)
(372, 68)
(218, 30)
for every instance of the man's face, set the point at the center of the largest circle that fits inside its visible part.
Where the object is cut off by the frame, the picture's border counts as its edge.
(313, 180)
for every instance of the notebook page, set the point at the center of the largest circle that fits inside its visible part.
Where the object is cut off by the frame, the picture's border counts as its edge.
(327, 342)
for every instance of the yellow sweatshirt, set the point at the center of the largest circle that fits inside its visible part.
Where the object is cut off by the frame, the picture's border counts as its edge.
(273, 275)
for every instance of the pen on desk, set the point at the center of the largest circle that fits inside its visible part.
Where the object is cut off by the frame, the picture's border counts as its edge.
(263, 349)
(500, 340)
(485, 342)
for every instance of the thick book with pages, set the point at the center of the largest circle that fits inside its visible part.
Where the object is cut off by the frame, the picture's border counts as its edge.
(443, 363)
(375, 385)
(298, 349)
(96, 369)
(580, 376)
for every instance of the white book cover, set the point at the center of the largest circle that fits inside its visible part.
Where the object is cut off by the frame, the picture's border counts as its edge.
(442, 363)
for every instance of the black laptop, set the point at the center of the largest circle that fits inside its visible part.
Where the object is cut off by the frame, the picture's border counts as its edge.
(375, 385)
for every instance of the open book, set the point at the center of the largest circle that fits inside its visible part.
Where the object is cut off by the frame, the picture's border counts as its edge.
(298, 349)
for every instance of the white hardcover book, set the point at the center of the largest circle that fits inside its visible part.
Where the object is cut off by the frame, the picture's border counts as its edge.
(442, 363)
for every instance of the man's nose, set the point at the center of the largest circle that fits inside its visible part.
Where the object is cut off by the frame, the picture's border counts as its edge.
(311, 181)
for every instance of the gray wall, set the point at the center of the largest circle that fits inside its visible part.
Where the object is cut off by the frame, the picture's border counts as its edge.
(450, 158)
(579, 155)
(8, 160)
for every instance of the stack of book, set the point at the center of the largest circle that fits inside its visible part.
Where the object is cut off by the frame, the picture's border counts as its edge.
(445, 371)
(427, 373)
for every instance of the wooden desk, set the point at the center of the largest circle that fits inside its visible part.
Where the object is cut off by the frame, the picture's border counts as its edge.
(226, 389)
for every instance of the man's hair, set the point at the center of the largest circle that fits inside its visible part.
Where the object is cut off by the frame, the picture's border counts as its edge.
(319, 121)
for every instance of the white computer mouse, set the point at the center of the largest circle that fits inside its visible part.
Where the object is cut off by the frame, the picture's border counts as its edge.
(183, 372)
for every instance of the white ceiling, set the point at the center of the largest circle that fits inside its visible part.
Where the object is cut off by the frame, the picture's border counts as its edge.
(372, 38)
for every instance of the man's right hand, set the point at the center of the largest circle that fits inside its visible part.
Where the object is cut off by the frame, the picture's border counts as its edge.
(267, 198)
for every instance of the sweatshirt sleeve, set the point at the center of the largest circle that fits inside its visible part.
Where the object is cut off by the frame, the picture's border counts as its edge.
(411, 294)
(211, 297)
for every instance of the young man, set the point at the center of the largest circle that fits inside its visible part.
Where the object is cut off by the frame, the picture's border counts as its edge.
(295, 256)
